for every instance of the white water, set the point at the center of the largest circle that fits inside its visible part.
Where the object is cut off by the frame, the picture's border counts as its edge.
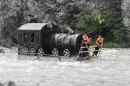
(111, 69)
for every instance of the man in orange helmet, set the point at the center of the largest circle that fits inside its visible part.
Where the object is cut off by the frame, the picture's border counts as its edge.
(99, 44)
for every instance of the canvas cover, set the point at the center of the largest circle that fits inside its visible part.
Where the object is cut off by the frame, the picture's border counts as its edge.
(32, 26)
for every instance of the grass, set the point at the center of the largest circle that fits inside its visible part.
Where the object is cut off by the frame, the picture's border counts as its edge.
(116, 45)
(112, 44)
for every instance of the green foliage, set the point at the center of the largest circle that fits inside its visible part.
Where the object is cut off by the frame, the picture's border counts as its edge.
(90, 23)
(23, 11)
(113, 22)
(104, 20)
(97, 16)
(126, 15)
(91, 16)
(109, 44)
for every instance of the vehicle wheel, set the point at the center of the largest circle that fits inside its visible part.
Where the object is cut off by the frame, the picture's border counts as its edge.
(66, 53)
(55, 52)
(32, 52)
(25, 51)
(40, 52)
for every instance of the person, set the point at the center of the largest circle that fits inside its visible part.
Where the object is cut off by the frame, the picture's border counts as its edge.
(99, 44)
(83, 48)
(89, 42)
(85, 37)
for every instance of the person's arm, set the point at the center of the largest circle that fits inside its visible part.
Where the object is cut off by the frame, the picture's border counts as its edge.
(97, 42)
(102, 42)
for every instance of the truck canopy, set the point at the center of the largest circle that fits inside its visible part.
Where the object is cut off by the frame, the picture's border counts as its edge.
(32, 26)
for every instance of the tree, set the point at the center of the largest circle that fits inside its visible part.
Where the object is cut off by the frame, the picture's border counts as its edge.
(105, 19)
(126, 15)
(91, 16)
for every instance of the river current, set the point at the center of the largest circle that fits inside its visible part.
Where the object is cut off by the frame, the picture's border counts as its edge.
(111, 69)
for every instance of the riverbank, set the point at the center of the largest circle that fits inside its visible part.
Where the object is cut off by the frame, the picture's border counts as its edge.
(113, 45)
(116, 45)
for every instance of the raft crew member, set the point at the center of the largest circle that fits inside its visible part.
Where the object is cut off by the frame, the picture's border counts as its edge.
(99, 44)
(85, 37)
(88, 44)
(83, 45)
(89, 41)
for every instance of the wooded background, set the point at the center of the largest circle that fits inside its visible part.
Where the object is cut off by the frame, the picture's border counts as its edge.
(109, 18)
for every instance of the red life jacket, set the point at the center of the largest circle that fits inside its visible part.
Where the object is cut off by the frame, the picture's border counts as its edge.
(88, 42)
(99, 41)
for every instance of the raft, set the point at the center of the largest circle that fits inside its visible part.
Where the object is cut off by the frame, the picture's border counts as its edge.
(85, 58)
(90, 50)
(63, 58)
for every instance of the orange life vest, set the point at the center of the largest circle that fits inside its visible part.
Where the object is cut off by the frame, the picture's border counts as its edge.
(88, 42)
(99, 41)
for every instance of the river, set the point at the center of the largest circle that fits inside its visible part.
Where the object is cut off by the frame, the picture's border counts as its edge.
(111, 69)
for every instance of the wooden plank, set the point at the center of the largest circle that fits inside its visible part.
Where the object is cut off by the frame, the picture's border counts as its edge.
(92, 46)
(89, 46)
(85, 58)
(89, 51)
